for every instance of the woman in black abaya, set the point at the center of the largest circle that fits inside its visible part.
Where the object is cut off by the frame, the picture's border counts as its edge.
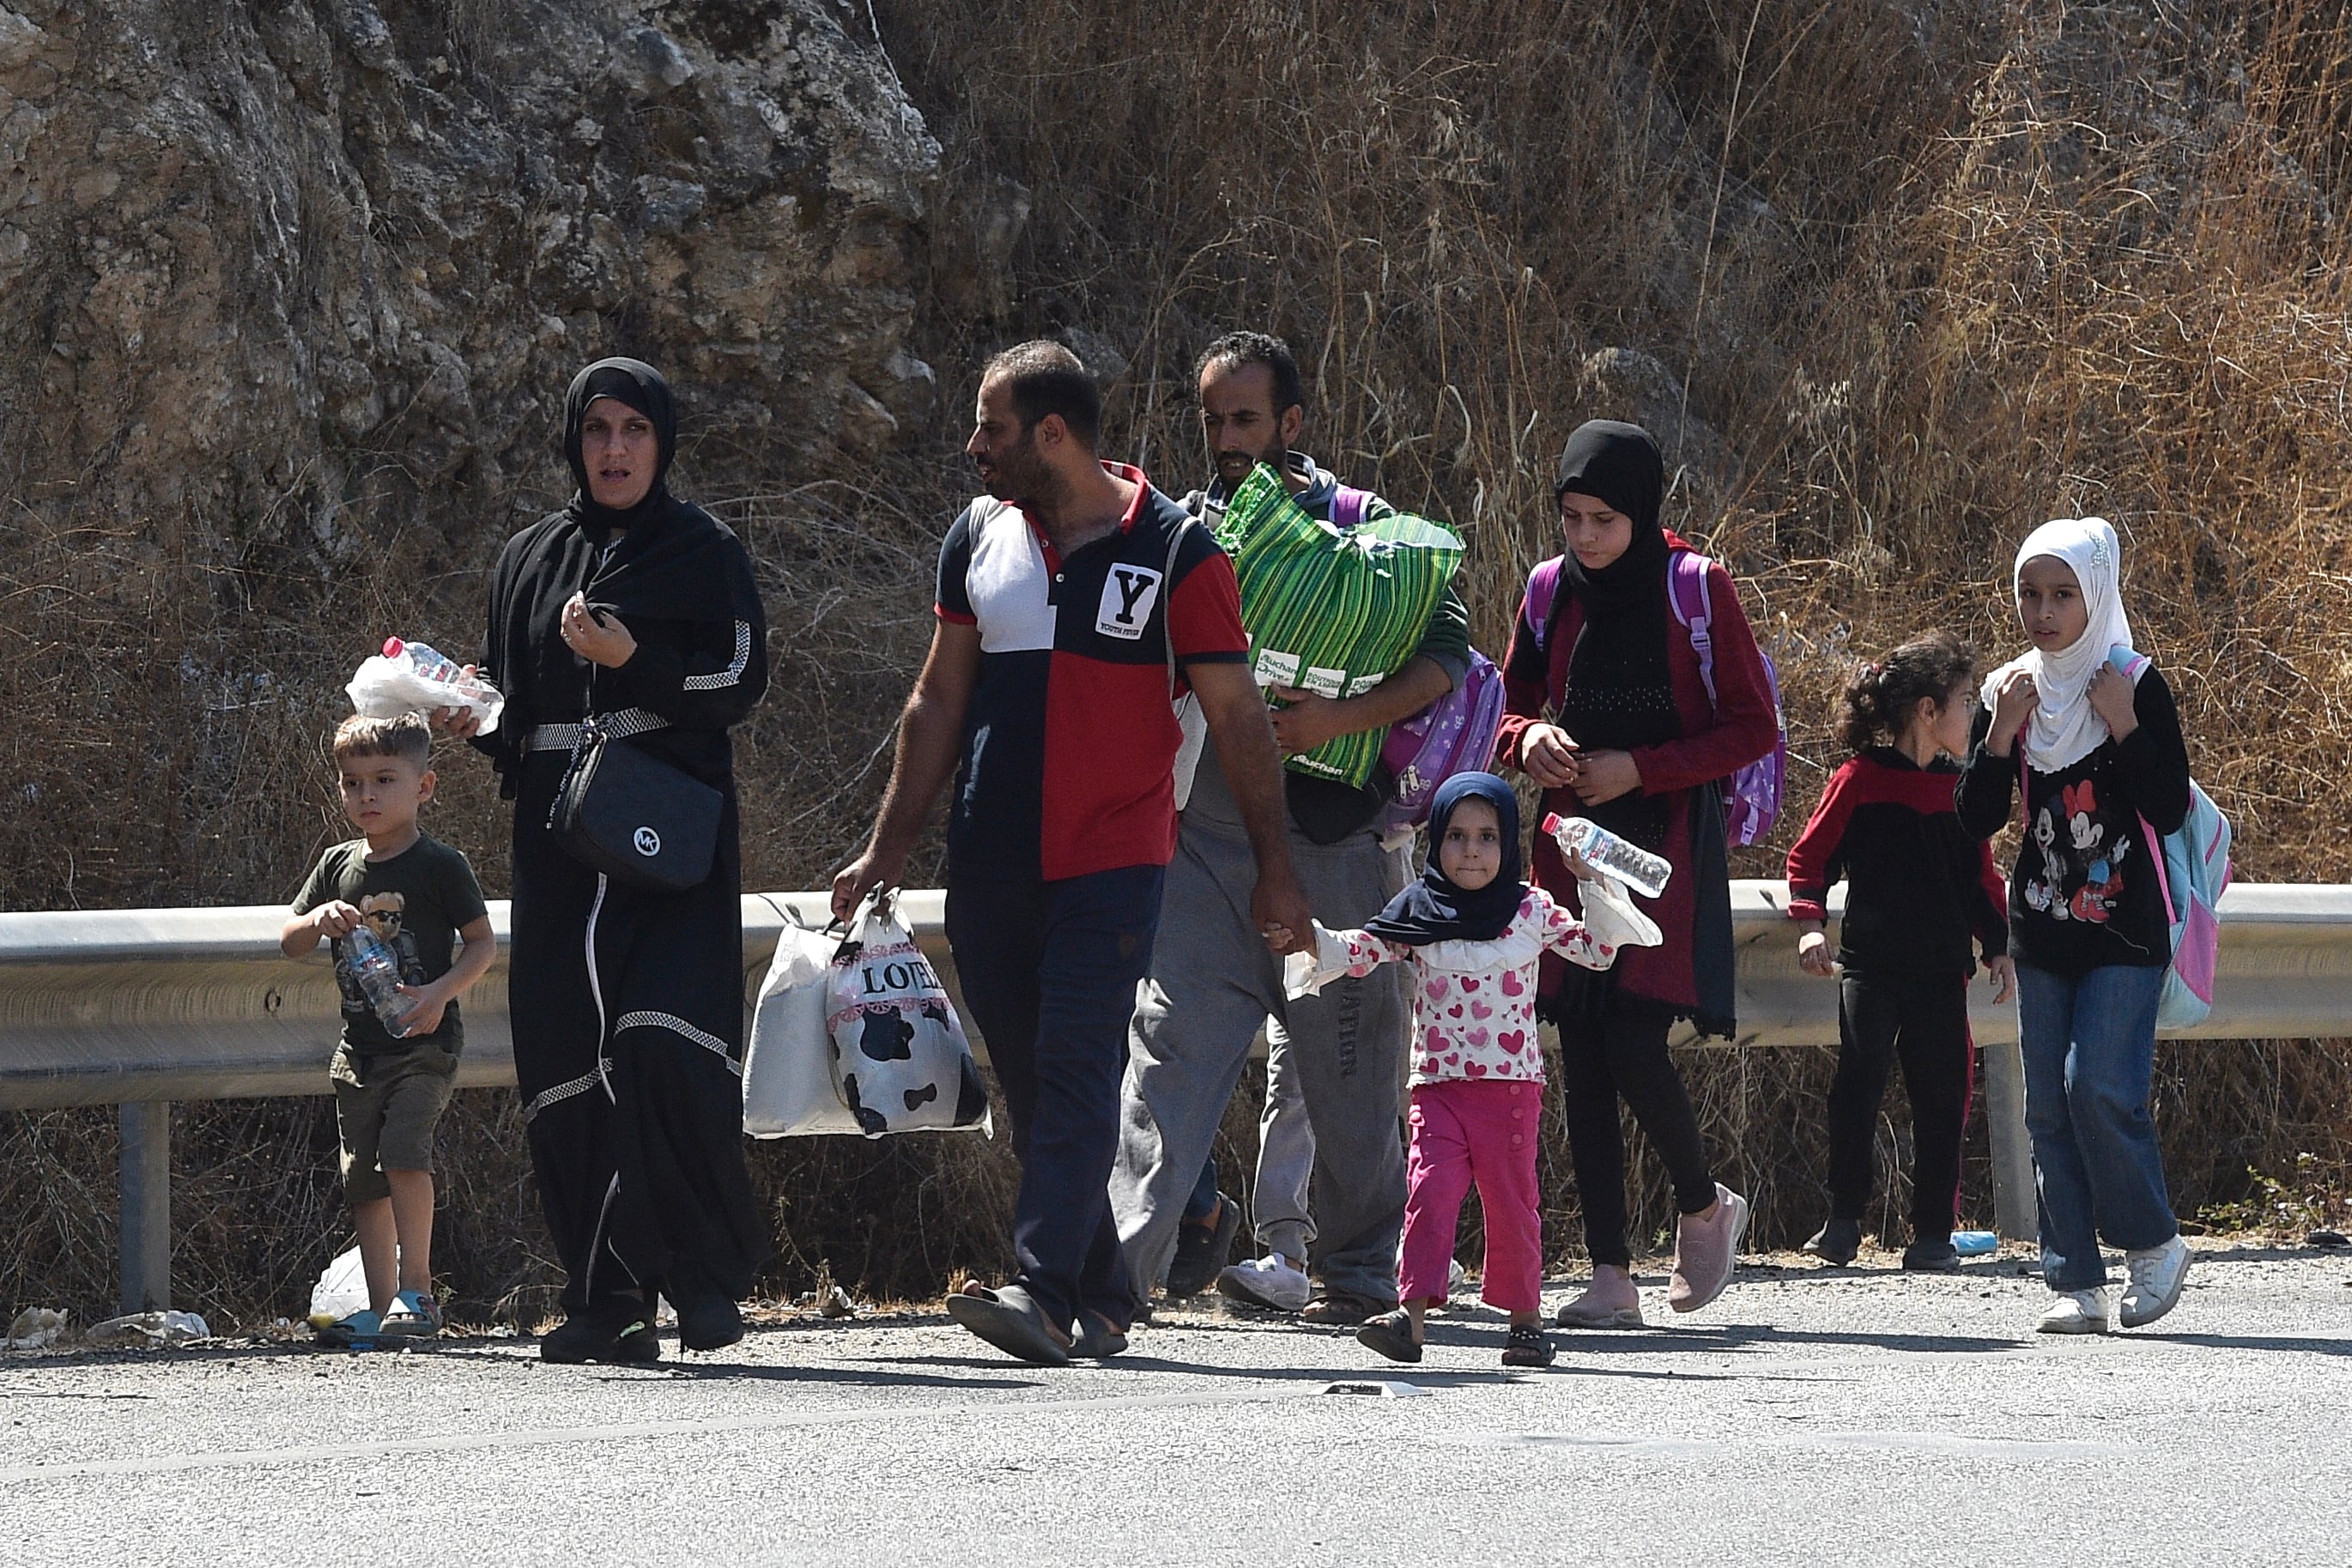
(639, 608)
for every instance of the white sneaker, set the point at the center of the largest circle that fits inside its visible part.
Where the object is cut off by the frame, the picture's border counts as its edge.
(1267, 1282)
(2076, 1312)
(2157, 1276)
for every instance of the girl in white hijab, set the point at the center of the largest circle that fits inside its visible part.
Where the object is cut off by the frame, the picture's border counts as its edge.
(2089, 734)
(2065, 723)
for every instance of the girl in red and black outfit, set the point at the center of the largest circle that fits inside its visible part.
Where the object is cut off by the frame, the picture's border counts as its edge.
(1919, 889)
(1608, 710)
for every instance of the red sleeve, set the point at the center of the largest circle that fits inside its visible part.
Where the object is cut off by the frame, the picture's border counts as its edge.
(1812, 859)
(1747, 724)
(1204, 615)
(1526, 680)
(1992, 917)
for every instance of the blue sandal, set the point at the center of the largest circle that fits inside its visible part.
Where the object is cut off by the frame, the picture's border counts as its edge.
(360, 1331)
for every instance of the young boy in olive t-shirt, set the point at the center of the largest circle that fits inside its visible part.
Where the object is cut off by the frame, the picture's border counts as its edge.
(419, 895)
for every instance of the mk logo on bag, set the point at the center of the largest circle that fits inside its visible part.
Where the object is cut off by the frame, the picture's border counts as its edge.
(1127, 596)
(647, 841)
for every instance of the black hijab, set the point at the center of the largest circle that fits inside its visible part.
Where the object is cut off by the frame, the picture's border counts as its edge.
(673, 561)
(1433, 909)
(661, 560)
(1620, 692)
(637, 385)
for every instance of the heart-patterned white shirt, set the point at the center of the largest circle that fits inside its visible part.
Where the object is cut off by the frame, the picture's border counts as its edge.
(1474, 1011)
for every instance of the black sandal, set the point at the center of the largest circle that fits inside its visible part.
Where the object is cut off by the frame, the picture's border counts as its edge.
(1009, 1319)
(1528, 1345)
(1097, 1338)
(1390, 1333)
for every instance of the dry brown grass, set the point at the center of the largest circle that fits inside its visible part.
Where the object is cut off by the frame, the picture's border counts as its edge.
(1893, 282)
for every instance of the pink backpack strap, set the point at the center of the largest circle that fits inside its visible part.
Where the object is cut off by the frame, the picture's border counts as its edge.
(2149, 836)
(1687, 590)
(1348, 505)
(1543, 590)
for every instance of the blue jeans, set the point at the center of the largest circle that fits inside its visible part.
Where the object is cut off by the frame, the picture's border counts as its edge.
(1049, 971)
(2090, 1067)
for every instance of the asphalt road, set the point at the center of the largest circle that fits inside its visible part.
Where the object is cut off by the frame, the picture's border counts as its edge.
(1849, 1415)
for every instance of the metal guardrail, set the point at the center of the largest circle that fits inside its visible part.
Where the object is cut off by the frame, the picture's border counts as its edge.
(140, 1008)
(118, 1006)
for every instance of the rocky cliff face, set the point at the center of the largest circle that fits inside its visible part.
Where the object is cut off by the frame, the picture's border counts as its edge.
(269, 263)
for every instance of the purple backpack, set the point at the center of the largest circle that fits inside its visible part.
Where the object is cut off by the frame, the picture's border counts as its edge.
(1455, 734)
(1752, 800)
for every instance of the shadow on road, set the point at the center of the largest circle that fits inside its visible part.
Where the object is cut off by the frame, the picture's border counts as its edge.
(835, 1375)
(1765, 1334)
(1745, 1337)
(2247, 1341)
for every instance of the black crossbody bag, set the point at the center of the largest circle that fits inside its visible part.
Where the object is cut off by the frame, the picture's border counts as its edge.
(640, 820)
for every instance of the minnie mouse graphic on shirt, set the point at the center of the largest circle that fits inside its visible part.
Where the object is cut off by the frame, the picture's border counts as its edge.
(2081, 857)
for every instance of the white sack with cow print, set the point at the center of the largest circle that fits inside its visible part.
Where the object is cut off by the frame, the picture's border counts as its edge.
(900, 1059)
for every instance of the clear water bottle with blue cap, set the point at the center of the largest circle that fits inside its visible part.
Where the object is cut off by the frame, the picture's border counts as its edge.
(377, 972)
(1621, 857)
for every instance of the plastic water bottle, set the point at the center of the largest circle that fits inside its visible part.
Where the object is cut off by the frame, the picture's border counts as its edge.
(1975, 1243)
(410, 677)
(1629, 862)
(426, 662)
(378, 974)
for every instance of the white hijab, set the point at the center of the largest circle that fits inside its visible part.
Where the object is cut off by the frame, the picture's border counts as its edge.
(2065, 727)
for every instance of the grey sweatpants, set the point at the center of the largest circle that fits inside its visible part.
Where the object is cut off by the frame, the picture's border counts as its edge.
(1213, 985)
(1281, 1202)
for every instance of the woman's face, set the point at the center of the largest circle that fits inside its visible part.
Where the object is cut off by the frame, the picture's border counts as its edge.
(618, 446)
(1472, 851)
(2050, 604)
(1596, 535)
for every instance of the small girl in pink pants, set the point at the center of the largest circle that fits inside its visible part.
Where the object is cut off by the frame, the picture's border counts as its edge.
(1473, 932)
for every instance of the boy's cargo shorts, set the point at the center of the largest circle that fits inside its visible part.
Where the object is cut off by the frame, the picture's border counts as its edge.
(386, 1108)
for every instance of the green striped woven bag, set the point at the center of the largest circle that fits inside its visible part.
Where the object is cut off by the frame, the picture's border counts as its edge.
(1332, 611)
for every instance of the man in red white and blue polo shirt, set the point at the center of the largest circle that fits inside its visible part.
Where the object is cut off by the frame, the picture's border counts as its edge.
(1074, 601)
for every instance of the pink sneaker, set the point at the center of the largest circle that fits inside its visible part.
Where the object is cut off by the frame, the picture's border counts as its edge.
(1706, 1250)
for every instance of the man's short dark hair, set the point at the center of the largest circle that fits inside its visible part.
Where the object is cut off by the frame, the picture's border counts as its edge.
(1236, 349)
(1042, 377)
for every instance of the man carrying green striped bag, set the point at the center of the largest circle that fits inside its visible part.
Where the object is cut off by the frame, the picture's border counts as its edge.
(1373, 625)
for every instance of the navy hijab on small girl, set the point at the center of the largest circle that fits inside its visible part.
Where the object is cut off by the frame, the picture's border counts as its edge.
(1435, 910)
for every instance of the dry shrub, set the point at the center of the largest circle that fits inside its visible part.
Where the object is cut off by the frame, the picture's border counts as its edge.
(1892, 282)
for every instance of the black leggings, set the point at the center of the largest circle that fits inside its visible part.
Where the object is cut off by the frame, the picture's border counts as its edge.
(1625, 1055)
(1923, 1023)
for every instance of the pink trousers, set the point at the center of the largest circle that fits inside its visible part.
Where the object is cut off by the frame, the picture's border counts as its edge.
(1464, 1132)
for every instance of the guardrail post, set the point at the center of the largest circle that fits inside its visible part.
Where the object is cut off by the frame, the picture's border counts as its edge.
(2014, 1207)
(146, 1205)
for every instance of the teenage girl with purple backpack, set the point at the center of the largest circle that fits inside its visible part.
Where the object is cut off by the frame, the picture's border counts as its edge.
(1635, 692)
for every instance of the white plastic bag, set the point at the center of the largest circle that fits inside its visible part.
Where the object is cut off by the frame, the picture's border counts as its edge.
(385, 688)
(35, 1328)
(160, 1327)
(1611, 915)
(900, 1057)
(342, 1290)
(788, 1089)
